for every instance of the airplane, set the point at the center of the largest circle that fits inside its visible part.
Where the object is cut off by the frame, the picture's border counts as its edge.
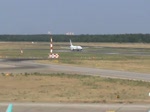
(9, 108)
(72, 47)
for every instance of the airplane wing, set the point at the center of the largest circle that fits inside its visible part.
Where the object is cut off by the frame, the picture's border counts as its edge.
(9, 108)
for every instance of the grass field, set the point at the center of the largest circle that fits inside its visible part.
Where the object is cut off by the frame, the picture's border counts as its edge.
(77, 88)
(126, 57)
(71, 88)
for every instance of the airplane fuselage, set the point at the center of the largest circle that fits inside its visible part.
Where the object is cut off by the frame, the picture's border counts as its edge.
(78, 48)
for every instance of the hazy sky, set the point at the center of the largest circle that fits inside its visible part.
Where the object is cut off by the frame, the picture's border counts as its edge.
(78, 16)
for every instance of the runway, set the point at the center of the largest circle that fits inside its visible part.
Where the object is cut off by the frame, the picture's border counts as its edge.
(30, 66)
(58, 107)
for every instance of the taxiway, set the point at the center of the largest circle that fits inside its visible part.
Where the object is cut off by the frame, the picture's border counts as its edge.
(30, 66)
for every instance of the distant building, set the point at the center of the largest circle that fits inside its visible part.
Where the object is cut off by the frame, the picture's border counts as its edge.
(69, 33)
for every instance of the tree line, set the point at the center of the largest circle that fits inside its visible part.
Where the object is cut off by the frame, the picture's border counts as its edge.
(120, 38)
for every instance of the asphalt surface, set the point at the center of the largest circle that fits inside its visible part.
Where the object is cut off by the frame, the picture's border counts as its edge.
(48, 107)
(30, 66)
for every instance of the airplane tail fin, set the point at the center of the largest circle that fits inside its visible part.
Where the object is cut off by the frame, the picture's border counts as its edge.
(9, 108)
(70, 43)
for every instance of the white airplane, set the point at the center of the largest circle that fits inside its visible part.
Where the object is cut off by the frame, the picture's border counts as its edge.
(72, 47)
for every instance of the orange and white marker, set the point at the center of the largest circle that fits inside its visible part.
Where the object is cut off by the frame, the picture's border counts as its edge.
(51, 55)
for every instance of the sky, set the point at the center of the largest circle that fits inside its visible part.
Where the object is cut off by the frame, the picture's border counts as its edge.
(77, 16)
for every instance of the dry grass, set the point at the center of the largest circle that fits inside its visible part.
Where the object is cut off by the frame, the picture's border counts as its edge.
(16, 45)
(116, 45)
(142, 66)
(23, 45)
(71, 88)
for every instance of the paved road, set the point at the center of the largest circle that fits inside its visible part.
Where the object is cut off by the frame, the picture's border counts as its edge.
(29, 66)
(48, 107)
